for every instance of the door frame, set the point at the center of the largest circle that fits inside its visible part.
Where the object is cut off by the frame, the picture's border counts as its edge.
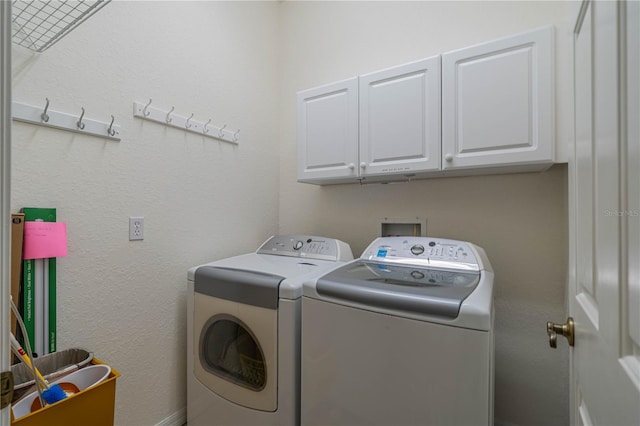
(5, 194)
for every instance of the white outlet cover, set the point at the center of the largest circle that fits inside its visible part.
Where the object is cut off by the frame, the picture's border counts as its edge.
(136, 228)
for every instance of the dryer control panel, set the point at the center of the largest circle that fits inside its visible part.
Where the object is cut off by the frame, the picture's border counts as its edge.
(423, 251)
(307, 246)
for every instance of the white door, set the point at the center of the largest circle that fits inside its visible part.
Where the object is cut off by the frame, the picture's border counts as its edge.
(400, 119)
(497, 102)
(604, 285)
(328, 132)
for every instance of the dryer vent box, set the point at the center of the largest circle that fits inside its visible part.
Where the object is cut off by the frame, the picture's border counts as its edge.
(402, 227)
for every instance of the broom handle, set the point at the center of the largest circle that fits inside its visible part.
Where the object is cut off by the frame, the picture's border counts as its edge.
(25, 358)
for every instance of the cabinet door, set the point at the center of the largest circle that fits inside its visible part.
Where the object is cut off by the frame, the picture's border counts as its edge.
(328, 132)
(498, 104)
(400, 119)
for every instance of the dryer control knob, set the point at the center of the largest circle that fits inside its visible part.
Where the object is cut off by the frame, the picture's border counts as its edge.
(298, 245)
(417, 249)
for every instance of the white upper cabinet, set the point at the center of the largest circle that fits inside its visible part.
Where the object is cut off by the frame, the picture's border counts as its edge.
(380, 126)
(400, 120)
(498, 103)
(327, 132)
(488, 108)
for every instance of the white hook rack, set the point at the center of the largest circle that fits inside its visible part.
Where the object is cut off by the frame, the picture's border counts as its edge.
(44, 116)
(145, 111)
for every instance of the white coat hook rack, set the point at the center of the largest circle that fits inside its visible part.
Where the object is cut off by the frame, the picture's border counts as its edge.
(78, 123)
(146, 111)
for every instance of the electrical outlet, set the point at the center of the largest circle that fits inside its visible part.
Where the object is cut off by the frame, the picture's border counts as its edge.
(136, 228)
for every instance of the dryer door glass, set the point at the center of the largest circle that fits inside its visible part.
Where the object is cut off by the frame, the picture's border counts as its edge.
(229, 350)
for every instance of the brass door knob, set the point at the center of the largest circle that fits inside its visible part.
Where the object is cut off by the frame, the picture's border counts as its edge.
(565, 330)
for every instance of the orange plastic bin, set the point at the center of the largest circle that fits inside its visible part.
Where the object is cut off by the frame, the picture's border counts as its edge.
(94, 406)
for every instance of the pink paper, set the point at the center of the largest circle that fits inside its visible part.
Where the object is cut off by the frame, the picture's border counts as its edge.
(45, 239)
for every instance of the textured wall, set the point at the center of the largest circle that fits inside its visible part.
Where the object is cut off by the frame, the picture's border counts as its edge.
(241, 63)
(519, 219)
(201, 199)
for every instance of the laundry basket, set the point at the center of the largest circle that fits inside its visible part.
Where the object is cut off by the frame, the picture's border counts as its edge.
(94, 406)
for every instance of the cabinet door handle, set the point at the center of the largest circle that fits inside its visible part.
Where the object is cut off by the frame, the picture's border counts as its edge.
(448, 158)
(352, 166)
(363, 165)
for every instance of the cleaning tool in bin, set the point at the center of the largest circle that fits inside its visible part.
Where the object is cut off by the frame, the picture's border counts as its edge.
(50, 394)
(89, 391)
(84, 382)
(52, 367)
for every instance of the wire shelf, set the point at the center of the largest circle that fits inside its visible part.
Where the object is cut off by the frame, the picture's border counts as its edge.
(38, 25)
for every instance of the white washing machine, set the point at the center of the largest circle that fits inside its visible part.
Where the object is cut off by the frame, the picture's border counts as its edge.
(243, 331)
(401, 336)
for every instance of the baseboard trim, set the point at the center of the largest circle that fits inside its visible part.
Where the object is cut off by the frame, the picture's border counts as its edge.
(179, 418)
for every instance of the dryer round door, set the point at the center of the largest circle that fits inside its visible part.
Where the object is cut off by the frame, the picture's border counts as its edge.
(236, 351)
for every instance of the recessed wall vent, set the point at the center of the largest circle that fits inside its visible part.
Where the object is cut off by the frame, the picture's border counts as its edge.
(405, 227)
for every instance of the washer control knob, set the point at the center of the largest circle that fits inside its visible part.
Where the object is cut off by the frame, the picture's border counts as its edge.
(417, 249)
(298, 245)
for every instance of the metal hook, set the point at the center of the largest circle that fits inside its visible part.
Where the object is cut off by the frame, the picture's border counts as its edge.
(221, 131)
(79, 123)
(204, 129)
(111, 131)
(44, 115)
(144, 111)
(235, 135)
(187, 124)
(168, 119)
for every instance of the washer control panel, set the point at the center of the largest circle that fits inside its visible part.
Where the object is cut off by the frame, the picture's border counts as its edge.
(423, 251)
(307, 246)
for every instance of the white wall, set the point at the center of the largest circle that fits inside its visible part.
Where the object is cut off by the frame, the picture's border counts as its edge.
(241, 63)
(201, 199)
(519, 219)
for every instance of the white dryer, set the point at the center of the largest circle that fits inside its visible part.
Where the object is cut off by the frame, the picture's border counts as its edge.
(243, 325)
(401, 336)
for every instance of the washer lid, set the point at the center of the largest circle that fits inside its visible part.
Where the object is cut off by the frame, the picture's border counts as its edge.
(403, 288)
